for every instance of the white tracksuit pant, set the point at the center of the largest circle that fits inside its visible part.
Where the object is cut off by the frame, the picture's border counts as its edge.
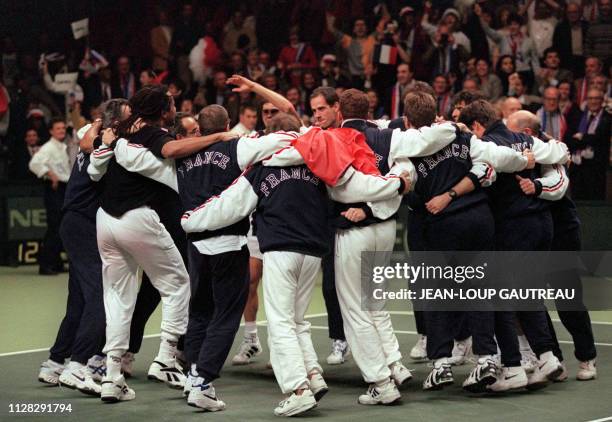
(288, 281)
(369, 333)
(139, 239)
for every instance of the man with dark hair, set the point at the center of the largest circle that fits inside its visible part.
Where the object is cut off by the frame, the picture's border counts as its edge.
(522, 223)
(51, 163)
(247, 121)
(185, 126)
(551, 74)
(396, 98)
(462, 99)
(218, 260)
(325, 105)
(127, 206)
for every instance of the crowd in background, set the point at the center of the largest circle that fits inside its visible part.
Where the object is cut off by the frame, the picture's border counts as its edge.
(551, 57)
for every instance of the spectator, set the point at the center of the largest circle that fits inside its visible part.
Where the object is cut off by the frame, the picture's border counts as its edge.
(375, 111)
(254, 69)
(147, 77)
(598, 40)
(295, 98)
(551, 74)
(447, 32)
(590, 10)
(184, 38)
(569, 36)
(518, 89)
(571, 111)
(450, 47)
(124, 83)
(542, 26)
(358, 48)
(187, 107)
(51, 164)
(470, 67)
(236, 64)
(490, 85)
(505, 68)
(161, 38)
(97, 88)
(296, 57)
(592, 68)
(590, 149)
(239, 33)
(401, 86)
(270, 81)
(69, 94)
(331, 74)
(23, 154)
(515, 44)
(509, 106)
(218, 92)
(5, 115)
(309, 84)
(553, 121)
(248, 121)
(470, 85)
(442, 95)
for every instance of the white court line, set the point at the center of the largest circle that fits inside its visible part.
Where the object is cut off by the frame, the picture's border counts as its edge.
(44, 349)
(553, 319)
(320, 327)
(609, 418)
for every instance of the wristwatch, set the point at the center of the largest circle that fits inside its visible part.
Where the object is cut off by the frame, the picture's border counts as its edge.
(452, 194)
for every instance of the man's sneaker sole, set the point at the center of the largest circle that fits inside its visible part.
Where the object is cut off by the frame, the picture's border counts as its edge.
(319, 394)
(550, 377)
(206, 409)
(299, 410)
(481, 386)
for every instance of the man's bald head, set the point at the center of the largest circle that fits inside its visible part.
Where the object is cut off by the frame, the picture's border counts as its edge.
(525, 122)
(510, 105)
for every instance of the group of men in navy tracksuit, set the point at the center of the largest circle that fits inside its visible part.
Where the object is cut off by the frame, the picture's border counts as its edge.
(455, 213)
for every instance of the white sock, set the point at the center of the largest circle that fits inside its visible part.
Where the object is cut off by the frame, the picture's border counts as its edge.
(383, 382)
(194, 370)
(523, 343)
(546, 356)
(75, 366)
(167, 348)
(113, 364)
(250, 329)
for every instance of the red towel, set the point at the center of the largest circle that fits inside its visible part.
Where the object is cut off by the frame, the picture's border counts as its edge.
(328, 153)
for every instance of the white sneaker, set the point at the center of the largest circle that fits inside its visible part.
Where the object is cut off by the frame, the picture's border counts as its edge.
(50, 372)
(384, 394)
(340, 352)
(461, 351)
(483, 375)
(77, 378)
(249, 348)
(419, 350)
(529, 360)
(116, 390)
(399, 373)
(563, 376)
(587, 370)
(548, 368)
(318, 386)
(127, 364)
(191, 377)
(510, 378)
(296, 404)
(440, 376)
(181, 361)
(167, 373)
(96, 366)
(204, 397)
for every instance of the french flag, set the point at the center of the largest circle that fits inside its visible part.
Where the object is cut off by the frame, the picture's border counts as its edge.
(385, 54)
